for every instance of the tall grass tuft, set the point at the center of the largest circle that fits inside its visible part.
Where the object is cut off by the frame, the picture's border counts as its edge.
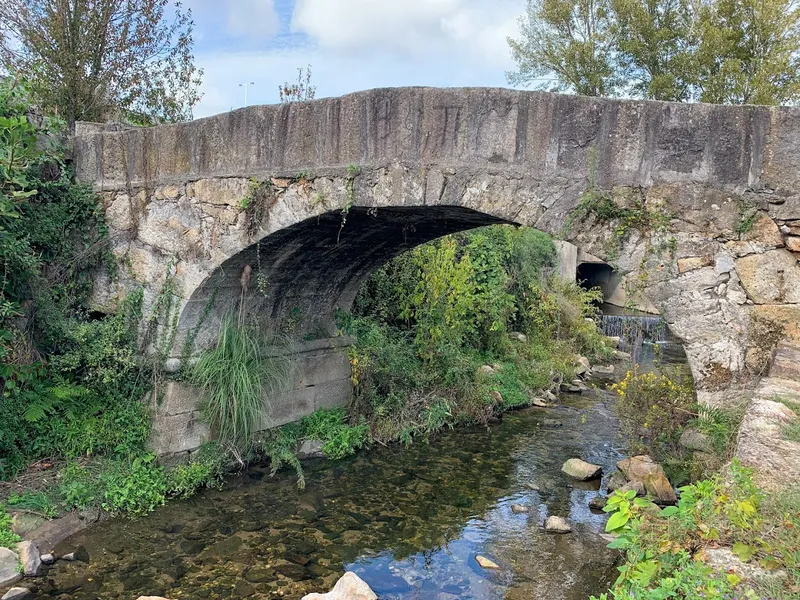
(239, 377)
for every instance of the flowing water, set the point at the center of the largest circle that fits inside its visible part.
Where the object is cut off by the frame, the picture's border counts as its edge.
(409, 521)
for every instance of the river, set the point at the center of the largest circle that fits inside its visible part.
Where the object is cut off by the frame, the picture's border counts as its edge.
(409, 521)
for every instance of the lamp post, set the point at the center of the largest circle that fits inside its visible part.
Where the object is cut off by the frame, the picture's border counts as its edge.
(245, 86)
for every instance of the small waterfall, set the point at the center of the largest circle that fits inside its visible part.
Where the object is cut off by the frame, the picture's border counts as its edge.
(632, 328)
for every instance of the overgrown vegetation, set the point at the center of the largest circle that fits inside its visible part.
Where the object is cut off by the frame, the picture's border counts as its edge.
(72, 382)
(239, 375)
(427, 322)
(666, 550)
(655, 409)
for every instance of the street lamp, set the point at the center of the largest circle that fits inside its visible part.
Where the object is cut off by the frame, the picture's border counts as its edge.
(245, 86)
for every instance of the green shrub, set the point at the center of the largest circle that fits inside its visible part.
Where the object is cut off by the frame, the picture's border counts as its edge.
(78, 487)
(205, 469)
(135, 487)
(339, 439)
(238, 375)
(8, 539)
(280, 445)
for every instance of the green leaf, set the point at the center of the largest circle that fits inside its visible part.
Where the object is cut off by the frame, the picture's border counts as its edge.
(617, 520)
(621, 543)
(743, 551)
(669, 511)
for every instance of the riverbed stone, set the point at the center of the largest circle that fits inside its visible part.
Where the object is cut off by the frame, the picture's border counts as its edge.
(598, 503)
(48, 558)
(555, 524)
(349, 587)
(643, 469)
(9, 568)
(17, 593)
(29, 558)
(539, 402)
(581, 470)
(311, 449)
(486, 563)
(24, 523)
(519, 509)
(659, 487)
(616, 481)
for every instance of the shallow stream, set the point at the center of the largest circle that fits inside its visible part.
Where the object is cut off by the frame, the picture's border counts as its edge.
(408, 521)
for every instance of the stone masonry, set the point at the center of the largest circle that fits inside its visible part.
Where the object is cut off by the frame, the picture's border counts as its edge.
(290, 207)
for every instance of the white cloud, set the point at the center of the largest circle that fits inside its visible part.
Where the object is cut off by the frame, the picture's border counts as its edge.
(413, 28)
(360, 44)
(254, 19)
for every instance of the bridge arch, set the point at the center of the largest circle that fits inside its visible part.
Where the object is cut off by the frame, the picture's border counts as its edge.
(329, 189)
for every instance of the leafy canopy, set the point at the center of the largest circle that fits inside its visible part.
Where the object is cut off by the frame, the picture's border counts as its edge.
(718, 51)
(93, 59)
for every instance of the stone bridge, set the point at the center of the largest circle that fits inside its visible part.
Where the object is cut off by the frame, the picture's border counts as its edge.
(288, 208)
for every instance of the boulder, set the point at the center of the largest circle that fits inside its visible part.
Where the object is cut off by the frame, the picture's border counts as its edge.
(582, 365)
(637, 468)
(9, 570)
(486, 563)
(603, 370)
(581, 470)
(310, 449)
(24, 523)
(349, 587)
(17, 593)
(30, 559)
(636, 486)
(519, 508)
(613, 340)
(539, 402)
(620, 355)
(645, 471)
(616, 481)
(695, 440)
(555, 524)
(550, 396)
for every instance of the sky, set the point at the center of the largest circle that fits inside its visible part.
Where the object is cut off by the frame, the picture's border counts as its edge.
(351, 45)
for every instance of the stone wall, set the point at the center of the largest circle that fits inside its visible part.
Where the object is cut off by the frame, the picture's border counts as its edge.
(344, 184)
(320, 379)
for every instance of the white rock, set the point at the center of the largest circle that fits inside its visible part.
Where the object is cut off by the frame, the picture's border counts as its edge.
(486, 563)
(519, 508)
(349, 587)
(30, 559)
(581, 470)
(172, 365)
(557, 525)
(48, 559)
(9, 571)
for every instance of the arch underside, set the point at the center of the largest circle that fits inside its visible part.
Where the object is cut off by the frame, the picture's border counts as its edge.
(302, 273)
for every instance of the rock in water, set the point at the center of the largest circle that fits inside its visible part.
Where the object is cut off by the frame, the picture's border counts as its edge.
(597, 503)
(645, 471)
(17, 593)
(557, 525)
(616, 481)
(539, 402)
(349, 587)
(310, 449)
(486, 563)
(581, 470)
(30, 559)
(519, 508)
(9, 573)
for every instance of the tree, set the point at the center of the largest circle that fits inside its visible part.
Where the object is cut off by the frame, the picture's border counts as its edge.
(97, 59)
(569, 40)
(749, 52)
(656, 43)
